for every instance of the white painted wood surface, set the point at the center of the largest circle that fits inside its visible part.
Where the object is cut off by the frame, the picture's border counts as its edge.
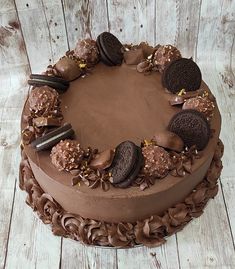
(37, 32)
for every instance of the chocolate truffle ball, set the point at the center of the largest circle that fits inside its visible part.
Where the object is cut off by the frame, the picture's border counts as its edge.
(201, 104)
(67, 155)
(157, 161)
(43, 100)
(87, 50)
(164, 55)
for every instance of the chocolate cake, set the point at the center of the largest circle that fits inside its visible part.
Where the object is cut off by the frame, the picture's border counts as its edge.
(111, 155)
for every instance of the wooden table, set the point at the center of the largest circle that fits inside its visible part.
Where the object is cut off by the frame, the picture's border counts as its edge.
(37, 32)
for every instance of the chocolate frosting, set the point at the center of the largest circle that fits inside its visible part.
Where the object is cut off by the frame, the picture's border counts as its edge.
(150, 231)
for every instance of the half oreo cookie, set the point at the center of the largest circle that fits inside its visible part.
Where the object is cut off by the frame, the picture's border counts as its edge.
(59, 84)
(52, 138)
(126, 164)
(182, 74)
(192, 126)
(134, 173)
(110, 49)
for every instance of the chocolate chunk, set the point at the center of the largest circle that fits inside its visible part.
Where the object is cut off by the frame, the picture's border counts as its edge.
(110, 49)
(168, 140)
(52, 138)
(176, 100)
(134, 173)
(182, 74)
(102, 160)
(47, 121)
(133, 57)
(192, 127)
(68, 68)
(124, 161)
(146, 48)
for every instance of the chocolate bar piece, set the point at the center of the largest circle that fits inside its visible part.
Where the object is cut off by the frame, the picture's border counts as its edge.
(43, 121)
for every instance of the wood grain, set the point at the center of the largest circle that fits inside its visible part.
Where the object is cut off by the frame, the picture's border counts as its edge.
(187, 27)
(13, 70)
(167, 22)
(206, 239)
(202, 29)
(164, 257)
(43, 27)
(30, 239)
(76, 255)
(138, 18)
(84, 19)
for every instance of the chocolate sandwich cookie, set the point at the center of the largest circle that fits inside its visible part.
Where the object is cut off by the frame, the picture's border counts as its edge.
(50, 139)
(182, 74)
(59, 84)
(125, 158)
(134, 173)
(110, 49)
(192, 126)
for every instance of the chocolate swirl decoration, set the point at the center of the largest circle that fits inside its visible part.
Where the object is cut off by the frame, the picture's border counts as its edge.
(150, 232)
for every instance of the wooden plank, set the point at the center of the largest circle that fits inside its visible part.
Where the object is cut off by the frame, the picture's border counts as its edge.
(166, 21)
(187, 27)
(228, 185)
(13, 69)
(142, 257)
(43, 26)
(132, 21)
(207, 242)
(30, 239)
(76, 255)
(84, 19)
(216, 22)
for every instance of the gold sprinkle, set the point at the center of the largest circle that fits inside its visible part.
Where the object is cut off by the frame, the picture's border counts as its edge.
(182, 92)
(82, 65)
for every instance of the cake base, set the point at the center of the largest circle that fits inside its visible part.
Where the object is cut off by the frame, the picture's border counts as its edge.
(150, 232)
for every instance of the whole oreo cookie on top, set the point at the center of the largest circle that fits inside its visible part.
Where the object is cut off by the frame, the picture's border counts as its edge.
(125, 158)
(110, 49)
(182, 74)
(192, 126)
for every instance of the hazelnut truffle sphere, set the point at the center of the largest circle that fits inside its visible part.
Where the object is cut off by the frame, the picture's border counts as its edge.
(43, 100)
(201, 104)
(67, 155)
(87, 50)
(165, 55)
(157, 161)
(68, 68)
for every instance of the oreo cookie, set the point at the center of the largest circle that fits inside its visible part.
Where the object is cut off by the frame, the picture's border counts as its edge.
(59, 84)
(192, 126)
(52, 138)
(133, 174)
(110, 49)
(182, 74)
(126, 164)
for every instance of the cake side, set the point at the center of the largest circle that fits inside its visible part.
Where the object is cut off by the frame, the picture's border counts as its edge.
(150, 231)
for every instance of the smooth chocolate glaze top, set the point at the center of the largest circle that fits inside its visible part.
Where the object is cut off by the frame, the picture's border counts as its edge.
(114, 104)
